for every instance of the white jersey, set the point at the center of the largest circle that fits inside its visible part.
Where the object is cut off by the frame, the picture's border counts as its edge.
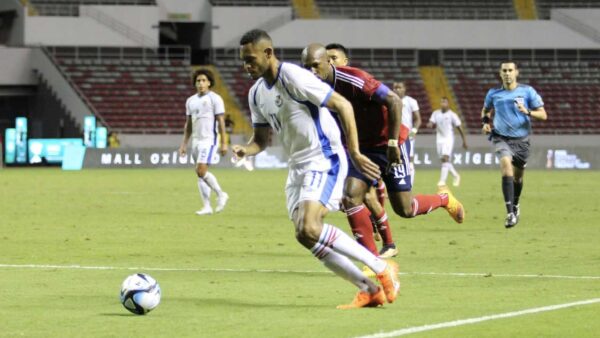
(293, 108)
(444, 124)
(409, 106)
(203, 110)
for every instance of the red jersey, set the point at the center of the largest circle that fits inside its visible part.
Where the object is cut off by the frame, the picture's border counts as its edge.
(366, 95)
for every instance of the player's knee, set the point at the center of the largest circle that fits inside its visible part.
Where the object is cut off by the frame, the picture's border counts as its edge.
(350, 201)
(307, 232)
(201, 171)
(403, 210)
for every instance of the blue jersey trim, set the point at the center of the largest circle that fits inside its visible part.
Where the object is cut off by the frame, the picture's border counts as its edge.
(276, 77)
(210, 155)
(332, 177)
(326, 99)
(259, 125)
(381, 93)
(314, 113)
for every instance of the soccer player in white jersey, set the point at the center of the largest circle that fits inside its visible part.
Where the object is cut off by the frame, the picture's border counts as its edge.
(445, 120)
(294, 103)
(204, 111)
(411, 118)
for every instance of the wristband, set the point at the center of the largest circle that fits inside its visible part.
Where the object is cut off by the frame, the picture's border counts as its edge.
(485, 120)
(528, 112)
(393, 143)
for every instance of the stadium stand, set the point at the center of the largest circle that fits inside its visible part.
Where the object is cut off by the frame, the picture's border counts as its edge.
(242, 3)
(131, 94)
(571, 92)
(545, 6)
(410, 9)
(571, 89)
(381, 64)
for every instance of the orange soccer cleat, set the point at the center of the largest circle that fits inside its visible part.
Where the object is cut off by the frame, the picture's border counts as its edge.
(454, 207)
(389, 281)
(365, 299)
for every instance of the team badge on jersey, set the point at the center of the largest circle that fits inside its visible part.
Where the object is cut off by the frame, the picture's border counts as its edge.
(520, 100)
(278, 101)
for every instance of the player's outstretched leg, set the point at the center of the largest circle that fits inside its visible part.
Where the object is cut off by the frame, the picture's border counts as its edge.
(453, 206)
(407, 206)
(387, 272)
(322, 240)
(369, 295)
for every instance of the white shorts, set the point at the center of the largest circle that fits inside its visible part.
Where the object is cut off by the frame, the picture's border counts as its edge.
(207, 154)
(325, 186)
(445, 148)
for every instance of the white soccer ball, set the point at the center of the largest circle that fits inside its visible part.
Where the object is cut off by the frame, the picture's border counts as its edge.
(140, 293)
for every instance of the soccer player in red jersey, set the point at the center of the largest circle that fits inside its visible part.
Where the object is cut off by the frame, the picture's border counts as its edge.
(375, 197)
(381, 136)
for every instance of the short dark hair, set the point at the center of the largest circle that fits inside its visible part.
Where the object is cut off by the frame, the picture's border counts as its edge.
(205, 72)
(508, 61)
(445, 98)
(337, 46)
(254, 36)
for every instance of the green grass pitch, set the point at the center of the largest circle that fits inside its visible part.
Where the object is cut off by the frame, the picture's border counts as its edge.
(242, 274)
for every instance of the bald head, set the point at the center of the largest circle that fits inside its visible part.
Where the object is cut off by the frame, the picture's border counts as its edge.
(314, 58)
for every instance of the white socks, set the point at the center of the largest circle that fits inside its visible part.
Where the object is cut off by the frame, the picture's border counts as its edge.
(444, 173)
(343, 267)
(452, 170)
(332, 237)
(204, 192)
(211, 181)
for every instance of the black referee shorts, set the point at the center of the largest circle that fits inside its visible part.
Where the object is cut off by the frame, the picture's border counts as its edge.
(516, 148)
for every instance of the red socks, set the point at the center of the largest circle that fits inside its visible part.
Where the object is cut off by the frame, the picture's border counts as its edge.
(380, 191)
(424, 204)
(383, 228)
(360, 222)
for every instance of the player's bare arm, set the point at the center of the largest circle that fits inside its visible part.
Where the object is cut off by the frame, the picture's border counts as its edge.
(187, 132)
(257, 143)
(346, 113)
(394, 106)
(463, 136)
(416, 123)
(223, 133)
(486, 119)
(538, 113)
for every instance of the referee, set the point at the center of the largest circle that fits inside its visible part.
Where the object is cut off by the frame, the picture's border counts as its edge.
(513, 105)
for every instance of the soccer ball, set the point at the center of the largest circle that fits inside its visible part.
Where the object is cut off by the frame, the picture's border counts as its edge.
(140, 293)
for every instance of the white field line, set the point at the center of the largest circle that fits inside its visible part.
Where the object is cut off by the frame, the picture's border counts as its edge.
(415, 329)
(452, 274)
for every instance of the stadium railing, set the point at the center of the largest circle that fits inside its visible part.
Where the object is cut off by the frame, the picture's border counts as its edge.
(133, 54)
(72, 7)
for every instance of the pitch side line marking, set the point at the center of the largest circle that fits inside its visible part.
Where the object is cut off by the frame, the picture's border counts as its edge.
(415, 329)
(453, 274)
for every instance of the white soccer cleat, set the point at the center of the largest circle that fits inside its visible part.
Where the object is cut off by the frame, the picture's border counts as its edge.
(207, 210)
(221, 202)
(510, 221)
(456, 181)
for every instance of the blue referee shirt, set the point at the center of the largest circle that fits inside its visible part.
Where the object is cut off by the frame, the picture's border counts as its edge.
(508, 120)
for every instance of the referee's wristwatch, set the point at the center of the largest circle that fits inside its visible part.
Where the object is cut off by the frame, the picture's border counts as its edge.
(393, 143)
